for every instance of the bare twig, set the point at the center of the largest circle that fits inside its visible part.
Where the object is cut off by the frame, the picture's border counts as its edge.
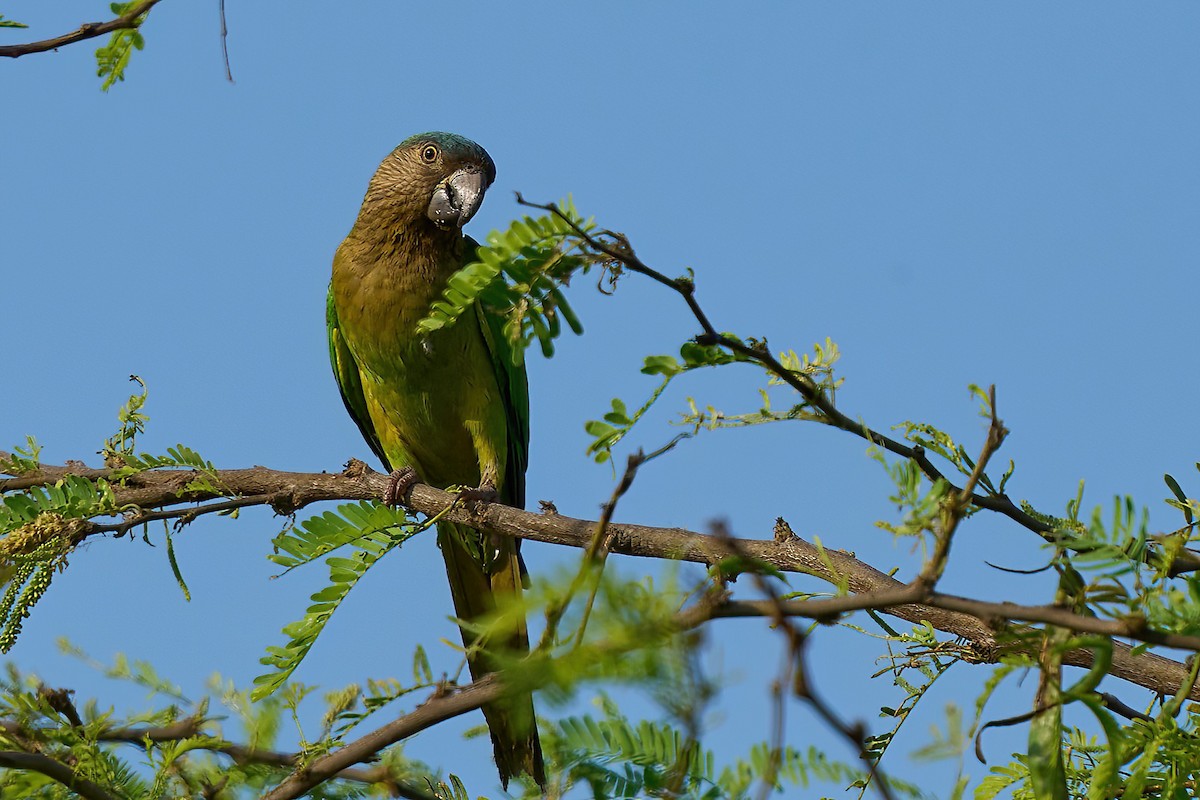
(1004, 723)
(88, 30)
(594, 558)
(181, 516)
(224, 41)
(1117, 705)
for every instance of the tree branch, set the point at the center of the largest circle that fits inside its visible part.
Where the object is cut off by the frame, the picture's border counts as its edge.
(88, 30)
(32, 762)
(973, 620)
(620, 251)
(186, 728)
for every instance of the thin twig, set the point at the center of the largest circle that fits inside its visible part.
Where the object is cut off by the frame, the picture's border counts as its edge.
(594, 557)
(182, 515)
(1004, 723)
(224, 41)
(955, 511)
(88, 30)
(1117, 705)
(597, 552)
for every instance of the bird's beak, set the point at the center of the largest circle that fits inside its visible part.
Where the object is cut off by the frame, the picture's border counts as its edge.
(457, 198)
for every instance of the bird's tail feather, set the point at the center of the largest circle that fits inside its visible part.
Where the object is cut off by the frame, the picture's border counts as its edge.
(511, 720)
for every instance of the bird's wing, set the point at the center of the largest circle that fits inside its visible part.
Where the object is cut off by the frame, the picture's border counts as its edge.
(514, 392)
(513, 722)
(349, 379)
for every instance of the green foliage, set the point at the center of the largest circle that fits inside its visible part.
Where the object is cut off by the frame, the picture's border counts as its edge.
(1147, 759)
(454, 790)
(11, 23)
(520, 273)
(1172, 544)
(941, 444)
(616, 758)
(42, 524)
(921, 653)
(38, 530)
(121, 456)
(133, 423)
(607, 432)
(194, 760)
(1002, 778)
(1110, 565)
(355, 704)
(139, 673)
(24, 458)
(920, 501)
(1186, 505)
(817, 368)
(951, 744)
(1047, 772)
(610, 430)
(28, 580)
(372, 530)
(649, 755)
(113, 57)
(801, 768)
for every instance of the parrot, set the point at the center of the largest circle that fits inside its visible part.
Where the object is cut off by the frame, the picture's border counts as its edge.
(448, 407)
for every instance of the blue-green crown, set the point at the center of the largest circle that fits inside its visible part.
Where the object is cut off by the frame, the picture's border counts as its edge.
(455, 146)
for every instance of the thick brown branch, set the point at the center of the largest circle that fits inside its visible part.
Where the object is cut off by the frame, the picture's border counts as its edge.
(57, 771)
(88, 30)
(961, 617)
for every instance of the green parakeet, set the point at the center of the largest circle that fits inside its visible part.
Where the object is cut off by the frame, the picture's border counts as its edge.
(449, 405)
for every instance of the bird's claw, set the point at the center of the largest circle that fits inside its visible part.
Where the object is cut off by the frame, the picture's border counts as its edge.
(399, 482)
(483, 494)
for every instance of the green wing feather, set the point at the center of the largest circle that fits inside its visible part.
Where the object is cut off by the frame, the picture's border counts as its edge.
(349, 380)
(514, 390)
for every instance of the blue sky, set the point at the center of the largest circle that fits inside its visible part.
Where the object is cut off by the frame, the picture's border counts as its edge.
(954, 193)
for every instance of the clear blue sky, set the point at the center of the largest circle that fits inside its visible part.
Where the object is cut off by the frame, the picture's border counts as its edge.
(955, 193)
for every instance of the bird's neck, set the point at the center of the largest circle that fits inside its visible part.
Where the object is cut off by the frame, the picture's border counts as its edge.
(387, 274)
(392, 235)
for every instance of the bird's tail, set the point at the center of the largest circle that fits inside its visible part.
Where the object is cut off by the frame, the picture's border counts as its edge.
(511, 720)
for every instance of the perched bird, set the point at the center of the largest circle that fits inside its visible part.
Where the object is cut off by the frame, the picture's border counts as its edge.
(447, 406)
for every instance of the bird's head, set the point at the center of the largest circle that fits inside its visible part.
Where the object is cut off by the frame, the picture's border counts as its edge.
(442, 176)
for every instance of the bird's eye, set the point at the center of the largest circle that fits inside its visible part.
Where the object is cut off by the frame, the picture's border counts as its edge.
(430, 154)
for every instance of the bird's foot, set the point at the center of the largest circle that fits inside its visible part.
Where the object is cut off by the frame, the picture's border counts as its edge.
(485, 493)
(399, 482)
